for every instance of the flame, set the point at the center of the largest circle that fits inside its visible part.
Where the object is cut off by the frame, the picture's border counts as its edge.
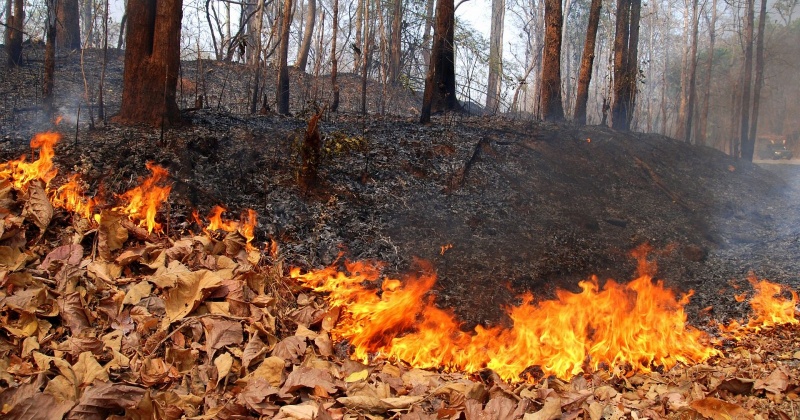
(144, 200)
(246, 225)
(769, 307)
(72, 197)
(640, 324)
(21, 172)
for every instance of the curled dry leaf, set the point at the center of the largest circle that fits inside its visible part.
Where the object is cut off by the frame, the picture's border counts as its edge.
(551, 410)
(111, 235)
(66, 254)
(221, 333)
(307, 377)
(716, 409)
(37, 206)
(73, 313)
(290, 348)
(190, 289)
(776, 382)
(223, 363)
(102, 398)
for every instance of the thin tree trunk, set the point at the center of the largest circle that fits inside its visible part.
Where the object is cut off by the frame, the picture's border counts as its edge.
(493, 84)
(633, 59)
(587, 63)
(256, 58)
(703, 137)
(395, 46)
(50, 58)
(550, 100)
(283, 55)
(426, 33)
(305, 46)
(358, 45)
(123, 24)
(759, 82)
(365, 52)
(334, 60)
(687, 135)
(101, 112)
(748, 145)
(16, 21)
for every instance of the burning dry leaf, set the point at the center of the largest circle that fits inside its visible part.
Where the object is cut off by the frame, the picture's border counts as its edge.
(37, 205)
(190, 289)
(717, 409)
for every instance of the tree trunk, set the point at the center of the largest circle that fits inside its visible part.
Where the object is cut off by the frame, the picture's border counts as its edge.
(152, 58)
(123, 24)
(550, 100)
(703, 137)
(440, 83)
(282, 92)
(587, 63)
(68, 29)
(50, 57)
(494, 83)
(101, 108)
(365, 52)
(305, 47)
(759, 82)
(395, 47)
(748, 145)
(16, 21)
(256, 58)
(358, 44)
(334, 60)
(426, 33)
(626, 66)
(687, 135)
(87, 13)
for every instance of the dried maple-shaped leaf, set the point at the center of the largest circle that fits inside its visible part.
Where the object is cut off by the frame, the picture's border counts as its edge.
(103, 398)
(42, 406)
(272, 370)
(221, 333)
(87, 369)
(716, 409)
(111, 235)
(37, 206)
(776, 382)
(290, 348)
(307, 377)
(256, 397)
(190, 289)
(73, 312)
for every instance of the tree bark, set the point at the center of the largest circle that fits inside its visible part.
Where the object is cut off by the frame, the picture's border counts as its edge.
(334, 60)
(152, 58)
(759, 82)
(494, 83)
(687, 135)
(16, 21)
(426, 33)
(305, 46)
(703, 137)
(358, 44)
(626, 68)
(256, 58)
(748, 145)
(282, 92)
(587, 63)
(440, 83)
(395, 42)
(50, 57)
(550, 99)
(365, 53)
(68, 30)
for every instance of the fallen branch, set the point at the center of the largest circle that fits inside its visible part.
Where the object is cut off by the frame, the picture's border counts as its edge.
(457, 180)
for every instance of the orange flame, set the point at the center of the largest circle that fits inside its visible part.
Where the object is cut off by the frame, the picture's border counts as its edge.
(144, 200)
(21, 172)
(72, 196)
(641, 324)
(246, 225)
(769, 308)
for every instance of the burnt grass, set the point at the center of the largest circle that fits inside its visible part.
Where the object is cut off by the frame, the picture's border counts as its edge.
(527, 206)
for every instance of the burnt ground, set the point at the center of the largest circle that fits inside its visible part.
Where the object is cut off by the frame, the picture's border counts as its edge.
(527, 206)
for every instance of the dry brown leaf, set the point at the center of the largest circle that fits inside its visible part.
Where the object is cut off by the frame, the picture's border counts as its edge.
(223, 364)
(402, 403)
(253, 350)
(111, 235)
(87, 369)
(103, 398)
(11, 259)
(37, 206)
(156, 371)
(306, 377)
(256, 397)
(290, 348)
(73, 313)
(190, 289)
(221, 333)
(65, 254)
(550, 411)
(27, 300)
(42, 406)
(108, 272)
(304, 411)
(61, 388)
(776, 382)
(272, 369)
(137, 292)
(364, 403)
(716, 409)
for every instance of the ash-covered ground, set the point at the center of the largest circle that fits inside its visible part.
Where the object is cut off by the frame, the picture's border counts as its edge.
(526, 206)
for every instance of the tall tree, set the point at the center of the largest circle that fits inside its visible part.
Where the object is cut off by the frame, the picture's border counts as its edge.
(587, 63)
(395, 41)
(748, 145)
(305, 46)
(440, 82)
(256, 57)
(50, 57)
(282, 91)
(493, 85)
(365, 52)
(703, 137)
(152, 58)
(334, 60)
(550, 99)
(687, 135)
(68, 29)
(626, 68)
(759, 82)
(13, 41)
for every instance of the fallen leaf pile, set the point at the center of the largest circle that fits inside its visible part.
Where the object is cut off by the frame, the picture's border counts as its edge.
(97, 322)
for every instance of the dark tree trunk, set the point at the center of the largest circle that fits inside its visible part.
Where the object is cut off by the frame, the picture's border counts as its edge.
(626, 67)
(748, 145)
(440, 83)
(493, 84)
(334, 60)
(703, 137)
(123, 24)
(550, 100)
(759, 82)
(14, 34)
(68, 29)
(283, 55)
(152, 57)
(587, 63)
(50, 58)
(365, 52)
(395, 42)
(687, 135)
